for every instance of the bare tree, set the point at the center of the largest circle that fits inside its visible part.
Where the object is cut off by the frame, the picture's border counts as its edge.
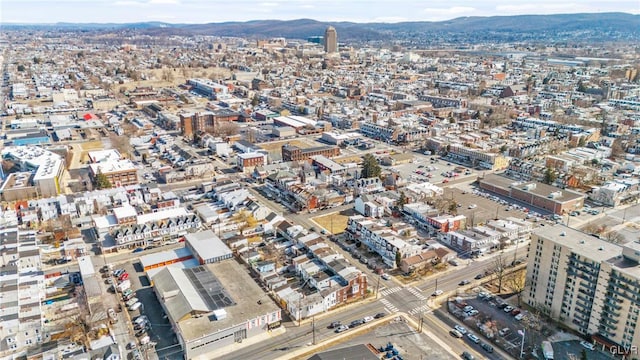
(517, 282)
(167, 75)
(613, 236)
(499, 267)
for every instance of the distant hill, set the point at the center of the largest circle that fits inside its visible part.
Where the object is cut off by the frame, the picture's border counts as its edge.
(562, 27)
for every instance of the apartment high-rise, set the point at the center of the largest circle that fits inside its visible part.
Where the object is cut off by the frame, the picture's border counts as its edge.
(590, 285)
(330, 40)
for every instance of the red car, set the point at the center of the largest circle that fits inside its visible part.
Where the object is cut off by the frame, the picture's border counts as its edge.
(515, 312)
(123, 277)
(445, 181)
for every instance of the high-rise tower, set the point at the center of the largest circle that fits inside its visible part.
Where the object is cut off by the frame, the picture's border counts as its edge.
(330, 40)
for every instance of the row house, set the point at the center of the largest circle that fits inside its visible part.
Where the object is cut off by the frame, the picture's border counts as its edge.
(478, 157)
(379, 238)
(380, 132)
(141, 234)
(447, 223)
(304, 198)
(474, 242)
(367, 185)
(367, 206)
(512, 229)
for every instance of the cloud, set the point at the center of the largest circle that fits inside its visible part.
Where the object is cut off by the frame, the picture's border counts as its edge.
(129, 3)
(163, 2)
(390, 19)
(537, 8)
(452, 11)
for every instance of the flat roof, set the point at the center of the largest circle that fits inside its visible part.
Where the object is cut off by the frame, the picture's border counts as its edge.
(86, 267)
(580, 243)
(240, 287)
(161, 215)
(99, 156)
(540, 189)
(207, 245)
(163, 256)
(125, 211)
(112, 166)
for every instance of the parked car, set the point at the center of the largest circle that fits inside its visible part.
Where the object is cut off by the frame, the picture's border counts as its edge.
(118, 272)
(366, 319)
(380, 315)
(467, 356)
(132, 345)
(437, 293)
(137, 250)
(461, 329)
(508, 309)
(519, 317)
(356, 323)
(455, 333)
(385, 276)
(463, 282)
(341, 328)
(488, 348)
(515, 312)
(135, 306)
(473, 338)
(504, 332)
(334, 325)
(479, 276)
(587, 345)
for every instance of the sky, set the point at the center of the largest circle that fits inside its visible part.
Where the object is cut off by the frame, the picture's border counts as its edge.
(208, 11)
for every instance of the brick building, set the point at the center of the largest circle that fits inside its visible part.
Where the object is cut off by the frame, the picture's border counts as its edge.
(294, 153)
(543, 196)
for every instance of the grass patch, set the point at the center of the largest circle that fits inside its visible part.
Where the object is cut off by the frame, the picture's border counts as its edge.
(335, 223)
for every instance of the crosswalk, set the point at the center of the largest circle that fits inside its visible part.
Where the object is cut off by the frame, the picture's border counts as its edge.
(389, 291)
(417, 293)
(419, 310)
(389, 306)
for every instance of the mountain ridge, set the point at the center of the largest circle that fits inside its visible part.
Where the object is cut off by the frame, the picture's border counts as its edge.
(603, 26)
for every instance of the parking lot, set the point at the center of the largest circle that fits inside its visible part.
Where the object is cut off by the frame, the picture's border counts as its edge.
(423, 168)
(493, 325)
(160, 333)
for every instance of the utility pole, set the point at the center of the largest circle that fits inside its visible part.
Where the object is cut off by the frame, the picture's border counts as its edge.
(313, 324)
(299, 311)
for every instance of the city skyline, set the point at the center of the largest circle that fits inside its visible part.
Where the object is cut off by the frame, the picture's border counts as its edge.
(200, 11)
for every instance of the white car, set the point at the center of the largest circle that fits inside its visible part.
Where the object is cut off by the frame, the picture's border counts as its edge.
(473, 338)
(460, 329)
(587, 345)
(367, 319)
(437, 293)
(519, 317)
(473, 206)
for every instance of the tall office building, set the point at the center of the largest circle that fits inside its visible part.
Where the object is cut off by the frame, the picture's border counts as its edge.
(590, 285)
(330, 40)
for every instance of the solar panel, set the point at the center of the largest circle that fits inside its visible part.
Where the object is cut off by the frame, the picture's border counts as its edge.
(209, 288)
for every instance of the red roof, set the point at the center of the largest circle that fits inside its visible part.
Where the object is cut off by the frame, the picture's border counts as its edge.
(89, 116)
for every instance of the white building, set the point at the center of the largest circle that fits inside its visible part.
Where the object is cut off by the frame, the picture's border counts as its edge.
(22, 293)
(48, 167)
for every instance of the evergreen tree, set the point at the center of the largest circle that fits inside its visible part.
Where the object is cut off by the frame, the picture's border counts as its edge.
(549, 176)
(102, 182)
(398, 258)
(370, 167)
